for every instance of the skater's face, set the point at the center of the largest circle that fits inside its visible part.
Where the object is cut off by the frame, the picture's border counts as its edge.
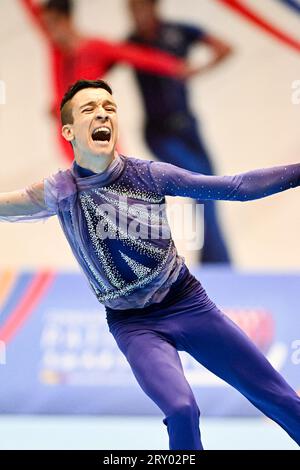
(94, 130)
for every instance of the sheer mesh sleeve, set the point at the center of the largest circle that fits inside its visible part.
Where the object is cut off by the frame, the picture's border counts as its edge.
(39, 201)
(33, 203)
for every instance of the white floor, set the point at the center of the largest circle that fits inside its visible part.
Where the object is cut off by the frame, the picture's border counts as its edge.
(56, 432)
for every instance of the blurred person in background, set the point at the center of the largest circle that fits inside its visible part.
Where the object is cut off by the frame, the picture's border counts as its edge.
(75, 56)
(112, 211)
(171, 130)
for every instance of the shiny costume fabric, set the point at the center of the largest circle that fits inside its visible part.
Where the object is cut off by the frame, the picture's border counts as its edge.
(155, 307)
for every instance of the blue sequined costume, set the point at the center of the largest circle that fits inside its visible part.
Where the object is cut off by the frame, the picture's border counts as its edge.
(155, 307)
(124, 269)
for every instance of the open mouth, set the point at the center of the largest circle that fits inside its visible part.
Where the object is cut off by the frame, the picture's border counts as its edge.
(101, 134)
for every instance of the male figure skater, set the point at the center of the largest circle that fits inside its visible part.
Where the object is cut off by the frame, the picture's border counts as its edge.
(74, 56)
(154, 306)
(171, 129)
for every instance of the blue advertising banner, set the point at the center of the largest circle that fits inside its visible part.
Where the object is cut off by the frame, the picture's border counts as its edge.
(57, 355)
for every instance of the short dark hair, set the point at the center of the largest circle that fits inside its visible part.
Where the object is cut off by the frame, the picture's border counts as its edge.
(61, 6)
(65, 108)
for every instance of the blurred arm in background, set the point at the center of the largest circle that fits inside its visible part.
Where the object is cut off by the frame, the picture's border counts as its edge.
(35, 11)
(52, 17)
(220, 51)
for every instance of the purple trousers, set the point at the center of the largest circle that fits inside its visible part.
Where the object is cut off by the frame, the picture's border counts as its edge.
(151, 339)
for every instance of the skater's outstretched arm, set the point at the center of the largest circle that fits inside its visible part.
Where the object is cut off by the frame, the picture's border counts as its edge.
(174, 181)
(24, 205)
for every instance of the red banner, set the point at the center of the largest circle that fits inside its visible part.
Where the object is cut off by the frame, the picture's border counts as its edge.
(256, 19)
